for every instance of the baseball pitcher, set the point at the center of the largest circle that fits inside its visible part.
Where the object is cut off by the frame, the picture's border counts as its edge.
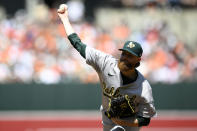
(127, 101)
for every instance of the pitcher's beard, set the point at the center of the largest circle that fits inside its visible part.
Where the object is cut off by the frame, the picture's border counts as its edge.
(123, 66)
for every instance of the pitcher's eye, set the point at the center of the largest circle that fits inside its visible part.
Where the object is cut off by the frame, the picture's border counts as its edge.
(123, 53)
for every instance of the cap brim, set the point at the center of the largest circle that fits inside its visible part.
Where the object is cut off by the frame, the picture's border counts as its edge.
(129, 51)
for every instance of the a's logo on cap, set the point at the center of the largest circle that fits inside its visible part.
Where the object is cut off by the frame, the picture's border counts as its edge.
(131, 45)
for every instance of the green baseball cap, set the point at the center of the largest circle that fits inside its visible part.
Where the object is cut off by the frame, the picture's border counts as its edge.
(133, 48)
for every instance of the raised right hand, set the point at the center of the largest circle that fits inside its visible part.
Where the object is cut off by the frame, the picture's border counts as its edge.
(63, 11)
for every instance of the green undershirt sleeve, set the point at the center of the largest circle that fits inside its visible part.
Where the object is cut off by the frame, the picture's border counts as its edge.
(77, 44)
(142, 121)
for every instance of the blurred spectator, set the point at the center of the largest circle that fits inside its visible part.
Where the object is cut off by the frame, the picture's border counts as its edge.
(76, 10)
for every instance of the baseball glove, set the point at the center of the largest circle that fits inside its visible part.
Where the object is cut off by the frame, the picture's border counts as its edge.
(121, 107)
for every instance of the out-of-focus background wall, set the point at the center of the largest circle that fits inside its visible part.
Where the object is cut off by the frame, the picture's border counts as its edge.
(40, 70)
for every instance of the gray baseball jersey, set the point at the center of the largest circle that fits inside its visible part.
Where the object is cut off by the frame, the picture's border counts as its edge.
(112, 85)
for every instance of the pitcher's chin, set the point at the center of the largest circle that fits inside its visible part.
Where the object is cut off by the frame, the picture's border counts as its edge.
(123, 67)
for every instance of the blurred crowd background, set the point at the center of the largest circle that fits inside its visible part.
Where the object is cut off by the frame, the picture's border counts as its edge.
(34, 47)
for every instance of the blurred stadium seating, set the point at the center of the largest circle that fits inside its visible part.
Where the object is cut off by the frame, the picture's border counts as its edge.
(34, 48)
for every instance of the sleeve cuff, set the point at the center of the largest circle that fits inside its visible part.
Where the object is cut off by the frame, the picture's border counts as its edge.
(73, 35)
(142, 121)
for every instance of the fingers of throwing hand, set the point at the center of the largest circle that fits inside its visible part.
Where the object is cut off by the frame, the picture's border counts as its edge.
(62, 8)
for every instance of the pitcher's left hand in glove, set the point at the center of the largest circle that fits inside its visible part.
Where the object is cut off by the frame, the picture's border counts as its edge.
(121, 107)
